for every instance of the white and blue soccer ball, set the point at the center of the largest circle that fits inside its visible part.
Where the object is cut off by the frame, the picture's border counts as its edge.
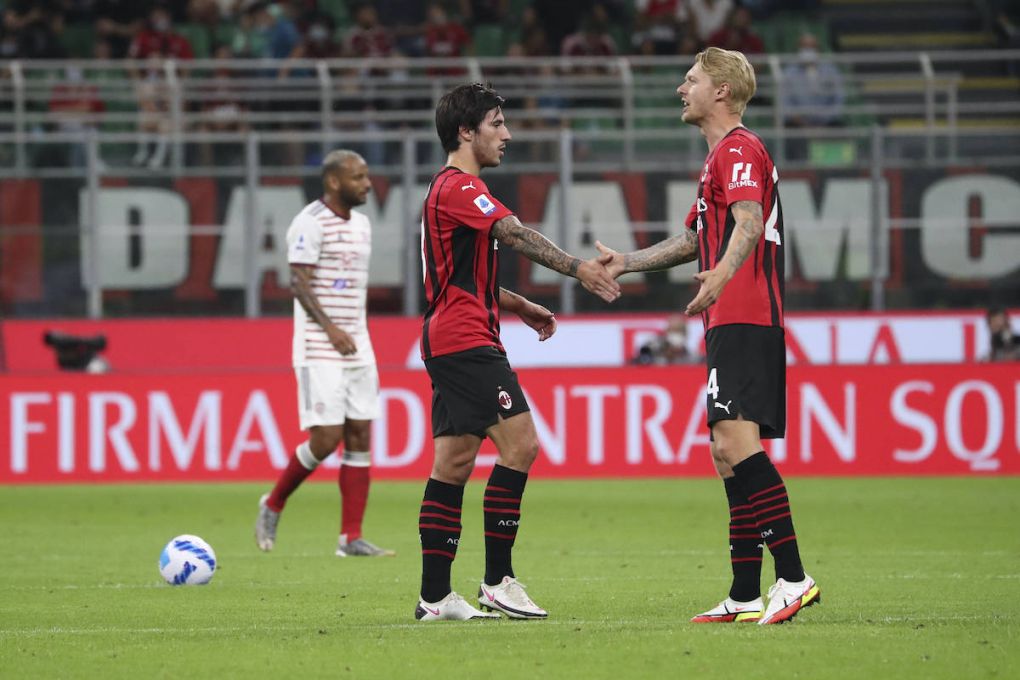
(187, 561)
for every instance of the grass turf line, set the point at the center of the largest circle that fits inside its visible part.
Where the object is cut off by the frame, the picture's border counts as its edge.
(920, 578)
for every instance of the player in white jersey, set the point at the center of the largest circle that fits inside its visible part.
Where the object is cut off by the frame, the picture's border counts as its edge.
(328, 248)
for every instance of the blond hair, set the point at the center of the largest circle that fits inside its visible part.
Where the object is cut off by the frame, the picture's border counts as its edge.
(732, 67)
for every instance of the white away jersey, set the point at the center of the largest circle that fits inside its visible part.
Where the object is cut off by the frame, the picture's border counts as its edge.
(339, 251)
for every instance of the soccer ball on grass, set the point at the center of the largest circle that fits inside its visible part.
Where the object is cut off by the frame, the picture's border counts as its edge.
(187, 561)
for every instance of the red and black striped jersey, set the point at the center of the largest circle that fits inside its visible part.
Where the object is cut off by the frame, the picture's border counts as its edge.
(739, 168)
(459, 264)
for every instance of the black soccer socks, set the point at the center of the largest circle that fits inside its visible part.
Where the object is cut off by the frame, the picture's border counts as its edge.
(745, 545)
(502, 506)
(760, 481)
(439, 530)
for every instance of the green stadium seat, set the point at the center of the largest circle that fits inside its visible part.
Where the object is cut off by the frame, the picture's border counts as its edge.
(200, 38)
(488, 40)
(337, 9)
(79, 41)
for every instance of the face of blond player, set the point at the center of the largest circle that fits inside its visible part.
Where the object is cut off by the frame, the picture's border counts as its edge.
(698, 94)
(489, 141)
(352, 183)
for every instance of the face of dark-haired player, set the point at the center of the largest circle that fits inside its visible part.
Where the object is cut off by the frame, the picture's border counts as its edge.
(352, 182)
(489, 141)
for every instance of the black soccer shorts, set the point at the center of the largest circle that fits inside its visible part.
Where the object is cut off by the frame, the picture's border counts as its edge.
(472, 390)
(747, 376)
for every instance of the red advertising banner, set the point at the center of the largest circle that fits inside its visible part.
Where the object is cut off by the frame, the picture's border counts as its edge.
(606, 422)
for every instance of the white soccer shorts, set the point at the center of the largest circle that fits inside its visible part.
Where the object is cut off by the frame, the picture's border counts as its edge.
(330, 394)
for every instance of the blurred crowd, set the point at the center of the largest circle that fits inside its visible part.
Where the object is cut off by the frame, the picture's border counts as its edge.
(38, 29)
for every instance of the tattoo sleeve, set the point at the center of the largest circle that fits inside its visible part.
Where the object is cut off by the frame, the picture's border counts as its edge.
(665, 254)
(301, 284)
(748, 229)
(534, 246)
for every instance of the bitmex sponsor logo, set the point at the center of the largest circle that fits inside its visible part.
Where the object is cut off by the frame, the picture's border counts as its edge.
(742, 176)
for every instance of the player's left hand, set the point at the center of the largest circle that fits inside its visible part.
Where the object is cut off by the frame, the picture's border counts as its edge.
(712, 283)
(540, 319)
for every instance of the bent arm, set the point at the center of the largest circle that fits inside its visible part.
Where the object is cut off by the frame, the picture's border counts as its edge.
(510, 301)
(748, 229)
(534, 246)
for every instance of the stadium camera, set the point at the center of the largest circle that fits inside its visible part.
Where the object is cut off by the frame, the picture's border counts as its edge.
(75, 353)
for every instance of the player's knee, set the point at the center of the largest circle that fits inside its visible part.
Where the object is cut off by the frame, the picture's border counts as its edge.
(523, 453)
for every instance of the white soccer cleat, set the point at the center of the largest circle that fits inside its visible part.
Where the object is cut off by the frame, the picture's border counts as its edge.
(359, 547)
(731, 611)
(453, 607)
(265, 525)
(509, 597)
(786, 599)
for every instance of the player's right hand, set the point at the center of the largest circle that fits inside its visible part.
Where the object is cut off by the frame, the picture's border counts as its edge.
(596, 279)
(342, 341)
(612, 260)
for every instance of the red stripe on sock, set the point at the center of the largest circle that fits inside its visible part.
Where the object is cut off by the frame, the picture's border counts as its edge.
(745, 559)
(733, 517)
(502, 500)
(743, 526)
(765, 491)
(438, 516)
(772, 508)
(756, 536)
(766, 520)
(777, 497)
(508, 537)
(739, 507)
(456, 511)
(782, 541)
(497, 488)
(439, 552)
(441, 527)
(501, 511)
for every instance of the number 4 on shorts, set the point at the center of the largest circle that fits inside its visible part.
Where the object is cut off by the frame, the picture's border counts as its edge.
(713, 385)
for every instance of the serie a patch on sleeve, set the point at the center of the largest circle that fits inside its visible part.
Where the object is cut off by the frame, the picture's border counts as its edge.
(484, 204)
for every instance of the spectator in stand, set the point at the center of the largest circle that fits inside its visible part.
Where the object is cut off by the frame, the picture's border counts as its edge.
(221, 112)
(591, 40)
(1005, 344)
(533, 37)
(158, 38)
(669, 347)
(708, 16)
(475, 12)
(405, 18)
(117, 22)
(156, 42)
(279, 33)
(367, 39)
(317, 43)
(35, 27)
(813, 92)
(74, 104)
(443, 37)
(737, 34)
(658, 26)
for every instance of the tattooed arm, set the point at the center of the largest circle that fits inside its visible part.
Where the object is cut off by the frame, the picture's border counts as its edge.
(301, 284)
(537, 248)
(746, 232)
(665, 254)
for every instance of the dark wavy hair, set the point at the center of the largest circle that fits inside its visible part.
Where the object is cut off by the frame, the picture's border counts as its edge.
(464, 106)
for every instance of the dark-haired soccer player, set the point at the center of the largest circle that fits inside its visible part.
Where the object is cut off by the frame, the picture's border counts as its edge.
(328, 247)
(475, 393)
(735, 229)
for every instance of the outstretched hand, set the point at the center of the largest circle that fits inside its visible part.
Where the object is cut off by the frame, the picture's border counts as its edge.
(712, 283)
(610, 259)
(596, 279)
(539, 318)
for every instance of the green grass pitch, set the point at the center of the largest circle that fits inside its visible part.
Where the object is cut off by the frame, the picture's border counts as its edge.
(920, 578)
